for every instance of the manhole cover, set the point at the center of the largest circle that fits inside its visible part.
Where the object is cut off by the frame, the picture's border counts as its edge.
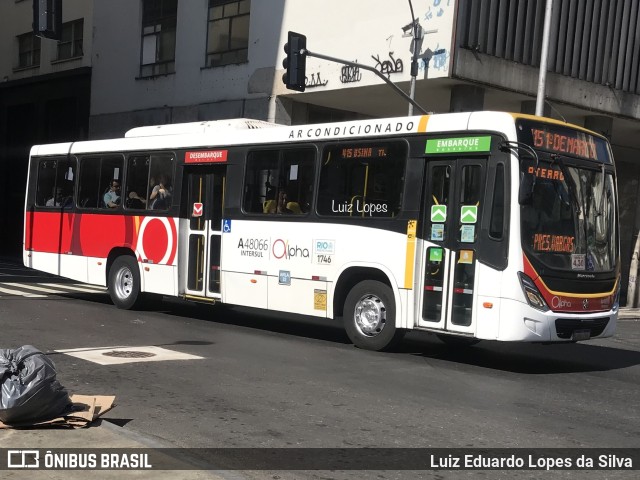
(128, 354)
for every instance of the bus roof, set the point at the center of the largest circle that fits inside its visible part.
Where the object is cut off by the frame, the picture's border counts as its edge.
(253, 132)
(199, 127)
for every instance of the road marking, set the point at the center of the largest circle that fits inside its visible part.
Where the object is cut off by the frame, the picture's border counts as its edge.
(10, 291)
(30, 286)
(27, 289)
(103, 355)
(78, 287)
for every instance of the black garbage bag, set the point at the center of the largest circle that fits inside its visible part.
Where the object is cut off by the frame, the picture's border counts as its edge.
(30, 391)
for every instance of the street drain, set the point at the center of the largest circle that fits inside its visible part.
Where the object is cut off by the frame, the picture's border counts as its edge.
(128, 354)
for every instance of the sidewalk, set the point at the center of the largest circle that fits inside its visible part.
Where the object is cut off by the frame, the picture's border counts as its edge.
(100, 435)
(629, 313)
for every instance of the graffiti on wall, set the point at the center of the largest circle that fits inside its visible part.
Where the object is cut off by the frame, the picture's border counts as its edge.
(350, 74)
(387, 67)
(315, 81)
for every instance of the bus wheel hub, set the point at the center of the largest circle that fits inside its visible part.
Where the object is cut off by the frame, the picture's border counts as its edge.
(370, 315)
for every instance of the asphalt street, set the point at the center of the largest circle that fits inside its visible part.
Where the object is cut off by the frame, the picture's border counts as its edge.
(274, 381)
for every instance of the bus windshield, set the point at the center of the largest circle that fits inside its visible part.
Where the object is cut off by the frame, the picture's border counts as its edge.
(570, 222)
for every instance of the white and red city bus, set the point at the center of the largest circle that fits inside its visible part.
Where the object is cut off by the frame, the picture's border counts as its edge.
(482, 225)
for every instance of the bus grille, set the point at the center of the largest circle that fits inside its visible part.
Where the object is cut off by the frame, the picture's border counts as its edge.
(566, 326)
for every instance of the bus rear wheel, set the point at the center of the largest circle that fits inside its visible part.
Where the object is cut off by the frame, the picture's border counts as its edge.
(124, 283)
(370, 316)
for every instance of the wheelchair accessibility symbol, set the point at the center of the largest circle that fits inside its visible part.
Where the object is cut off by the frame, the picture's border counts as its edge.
(226, 226)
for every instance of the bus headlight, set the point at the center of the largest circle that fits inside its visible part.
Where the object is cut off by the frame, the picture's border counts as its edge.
(532, 294)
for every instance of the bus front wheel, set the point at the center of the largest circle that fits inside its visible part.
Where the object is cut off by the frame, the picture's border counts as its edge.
(124, 283)
(370, 316)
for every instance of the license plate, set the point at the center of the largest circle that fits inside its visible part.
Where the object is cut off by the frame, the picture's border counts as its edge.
(581, 335)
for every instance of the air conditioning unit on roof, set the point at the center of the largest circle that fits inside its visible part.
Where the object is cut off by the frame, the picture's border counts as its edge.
(199, 127)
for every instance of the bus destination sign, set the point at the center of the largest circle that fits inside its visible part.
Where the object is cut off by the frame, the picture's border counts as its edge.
(363, 152)
(563, 140)
(572, 142)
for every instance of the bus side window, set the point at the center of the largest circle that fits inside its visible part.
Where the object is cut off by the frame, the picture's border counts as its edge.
(279, 181)
(297, 180)
(46, 181)
(261, 182)
(364, 180)
(55, 183)
(160, 183)
(95, 175)
(496, 226)
(136, 187)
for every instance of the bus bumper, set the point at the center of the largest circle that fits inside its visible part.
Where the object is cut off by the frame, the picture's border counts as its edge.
(520, 322)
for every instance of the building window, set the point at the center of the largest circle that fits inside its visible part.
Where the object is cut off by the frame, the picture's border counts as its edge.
(70, 44)
(228, 32)
(28, 50)
(158, 37)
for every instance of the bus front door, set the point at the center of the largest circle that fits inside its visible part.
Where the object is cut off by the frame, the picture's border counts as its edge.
(450, 228)
(205, 190)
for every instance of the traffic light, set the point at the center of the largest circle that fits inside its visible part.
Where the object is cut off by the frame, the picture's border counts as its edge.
(47, 18)
(296, 61)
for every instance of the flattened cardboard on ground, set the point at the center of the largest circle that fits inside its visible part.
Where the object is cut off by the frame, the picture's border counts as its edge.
(85, 409)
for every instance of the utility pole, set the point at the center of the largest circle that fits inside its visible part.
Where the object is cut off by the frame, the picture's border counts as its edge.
(544, 54)
(416, 44)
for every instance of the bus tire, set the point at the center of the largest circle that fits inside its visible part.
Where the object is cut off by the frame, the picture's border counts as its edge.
(370, 316)
(124, 283)
(456, 341)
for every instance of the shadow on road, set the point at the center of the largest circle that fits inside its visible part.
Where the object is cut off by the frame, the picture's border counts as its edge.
(529, 358)
(524, 358)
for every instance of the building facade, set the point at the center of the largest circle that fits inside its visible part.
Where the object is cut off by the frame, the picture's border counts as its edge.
(145, 62)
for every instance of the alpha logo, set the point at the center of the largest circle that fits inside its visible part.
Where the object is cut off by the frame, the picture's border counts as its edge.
(557, 302)
(281, 249)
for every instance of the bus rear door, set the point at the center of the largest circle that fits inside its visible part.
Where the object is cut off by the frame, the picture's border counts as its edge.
(205, 192)
(450, 228)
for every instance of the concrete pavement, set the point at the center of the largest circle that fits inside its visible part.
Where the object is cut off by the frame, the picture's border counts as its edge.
(629, 313)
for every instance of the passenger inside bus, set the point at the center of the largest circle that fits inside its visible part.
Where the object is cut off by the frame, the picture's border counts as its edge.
(112, 196)
(282, 205)
(135, 201)
(55, 199)
(160, 197)
(62, 196)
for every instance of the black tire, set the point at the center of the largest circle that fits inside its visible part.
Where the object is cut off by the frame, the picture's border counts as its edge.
(378, 330)
(456, 341)
(124, 283)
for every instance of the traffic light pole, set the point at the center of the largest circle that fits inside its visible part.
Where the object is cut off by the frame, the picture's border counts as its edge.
(370, 69)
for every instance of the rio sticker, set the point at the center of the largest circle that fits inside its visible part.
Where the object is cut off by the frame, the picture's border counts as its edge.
(323, 251)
